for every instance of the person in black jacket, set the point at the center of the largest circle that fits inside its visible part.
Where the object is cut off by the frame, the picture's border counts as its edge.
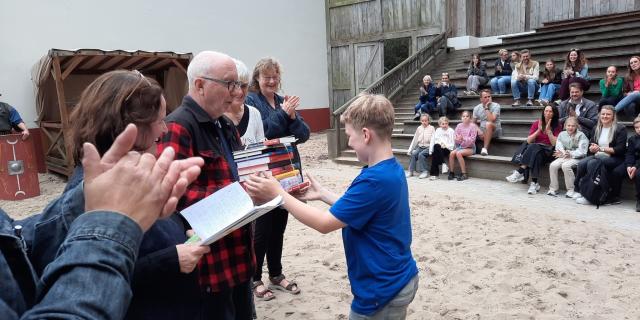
(631, 161)
(447, 95)
(502, 75)
(607, 144)
(549, 82)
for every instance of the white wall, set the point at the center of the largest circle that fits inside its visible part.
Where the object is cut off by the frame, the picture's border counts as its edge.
(291, 30)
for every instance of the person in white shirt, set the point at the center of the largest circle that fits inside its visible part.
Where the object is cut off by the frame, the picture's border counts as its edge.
(419, 147)
(442, 143)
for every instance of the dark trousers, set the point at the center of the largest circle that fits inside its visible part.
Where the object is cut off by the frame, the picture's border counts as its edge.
(564, 86)
(589, 163)
(535, 157)
(230, 304)
(268, 239)
(620, 174)
(612, 101)
(439, 156)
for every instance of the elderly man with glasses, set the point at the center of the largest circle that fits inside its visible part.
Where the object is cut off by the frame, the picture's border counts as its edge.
(197, 128)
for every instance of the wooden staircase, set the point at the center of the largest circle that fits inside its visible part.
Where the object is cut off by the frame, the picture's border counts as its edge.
(605, 42)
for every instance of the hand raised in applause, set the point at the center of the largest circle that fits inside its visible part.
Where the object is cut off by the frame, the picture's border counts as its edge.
(290, 104)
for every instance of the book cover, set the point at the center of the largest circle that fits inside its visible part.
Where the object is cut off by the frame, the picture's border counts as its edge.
(265, 160)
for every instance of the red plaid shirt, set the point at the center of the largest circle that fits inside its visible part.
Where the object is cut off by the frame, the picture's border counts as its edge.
(192, 132)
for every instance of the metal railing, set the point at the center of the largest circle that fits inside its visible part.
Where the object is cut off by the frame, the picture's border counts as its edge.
(394, 81)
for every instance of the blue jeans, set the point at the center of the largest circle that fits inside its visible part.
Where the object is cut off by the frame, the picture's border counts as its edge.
(396, 309)
(547, 91)
(628, 101)
(499, 84)
(419, 154)
(425, 107)
(530, 85)
(445, 106)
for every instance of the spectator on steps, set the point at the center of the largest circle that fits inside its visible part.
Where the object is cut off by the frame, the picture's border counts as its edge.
(447, 94)
(585, 110)
(525, 77)
(611, 87)
(515, 58)
(427, 97)
(442, 143)
(550, 82)
(502, 75)
(476, 75)
(631, 90)
(576, 69)
(571, 146)
(487, 116)
(607, 145)
(465, 145)
(537, 150)
(419, 147)
(632, 161)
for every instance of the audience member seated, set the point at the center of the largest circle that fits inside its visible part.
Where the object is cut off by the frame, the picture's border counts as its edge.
(585, 110)
(550, 82)
(536, 152)
(515, 58)
(442, 143)
(525, 77)
(571, 146)
(447, 94)
(608, 146)
(611, 88)
(476, 75)
(465, 145)
(631, 100)
(502, 74)
(575, 71)
(419, 147)
(629, 168)
(427, 97)
(487, 116)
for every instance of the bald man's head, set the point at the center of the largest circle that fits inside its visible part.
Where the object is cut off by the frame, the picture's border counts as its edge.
(209, 74)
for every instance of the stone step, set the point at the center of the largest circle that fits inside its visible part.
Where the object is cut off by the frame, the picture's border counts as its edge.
(502, 146)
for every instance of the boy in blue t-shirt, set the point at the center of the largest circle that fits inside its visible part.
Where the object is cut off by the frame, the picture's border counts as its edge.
(373, 214)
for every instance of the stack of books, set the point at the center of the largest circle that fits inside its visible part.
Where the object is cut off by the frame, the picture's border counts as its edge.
(273, 158)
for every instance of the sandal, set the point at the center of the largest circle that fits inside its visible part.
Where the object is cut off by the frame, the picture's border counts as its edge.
(265, 295)
(276, 284)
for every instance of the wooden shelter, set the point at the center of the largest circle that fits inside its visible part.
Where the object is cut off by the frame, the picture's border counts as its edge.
(61, 76)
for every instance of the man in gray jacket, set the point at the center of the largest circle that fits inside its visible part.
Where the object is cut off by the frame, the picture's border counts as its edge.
(584, 109)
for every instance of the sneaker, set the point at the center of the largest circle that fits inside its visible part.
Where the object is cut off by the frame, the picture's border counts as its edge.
(463, 177)
(423, 175)
(445, 168)
(516, 103)
(451, 176)
(433, 178)
(569, 194)
(637, 205)
(552, 193)
(484, 152)
(543, 102)
(416, 116)
(557, 102)
(576, 195)
(409, 174)
(515, 177)
(533, 188)
(582, 200)
(529, 103)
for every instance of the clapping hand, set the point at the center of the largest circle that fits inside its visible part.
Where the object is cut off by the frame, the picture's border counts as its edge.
(593, 148)
(290, 104)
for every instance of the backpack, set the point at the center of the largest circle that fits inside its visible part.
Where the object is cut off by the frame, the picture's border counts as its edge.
(594, 186)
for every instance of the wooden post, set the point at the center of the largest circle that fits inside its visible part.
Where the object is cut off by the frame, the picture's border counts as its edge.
(64, 114)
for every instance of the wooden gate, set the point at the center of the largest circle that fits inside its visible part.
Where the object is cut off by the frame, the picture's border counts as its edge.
(368, 63)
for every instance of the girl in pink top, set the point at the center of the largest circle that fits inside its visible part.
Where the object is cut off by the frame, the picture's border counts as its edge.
(466, 133)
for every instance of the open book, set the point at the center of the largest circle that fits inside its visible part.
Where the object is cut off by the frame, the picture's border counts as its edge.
(223, 212)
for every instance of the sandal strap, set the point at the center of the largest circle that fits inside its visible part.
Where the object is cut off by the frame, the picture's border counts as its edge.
(290, 286)
(277, 279)
(255, 284)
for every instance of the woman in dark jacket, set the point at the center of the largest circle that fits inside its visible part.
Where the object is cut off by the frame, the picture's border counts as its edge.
(607, 144)
(550, 82)
(632, 161)
(427, 97)
(477, 74)
(502, 74)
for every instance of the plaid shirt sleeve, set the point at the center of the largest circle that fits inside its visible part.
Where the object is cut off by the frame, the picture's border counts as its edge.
(232, 259)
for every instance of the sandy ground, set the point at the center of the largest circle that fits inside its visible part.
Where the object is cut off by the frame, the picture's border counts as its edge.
(485, 250)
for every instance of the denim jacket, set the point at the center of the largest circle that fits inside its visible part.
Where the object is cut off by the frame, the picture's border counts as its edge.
(100, 248)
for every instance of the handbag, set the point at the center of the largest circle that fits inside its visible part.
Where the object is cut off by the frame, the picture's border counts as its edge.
(517, 157)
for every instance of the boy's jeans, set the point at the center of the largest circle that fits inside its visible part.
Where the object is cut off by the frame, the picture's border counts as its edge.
(499, 84)
(530, 85)
(396, 309)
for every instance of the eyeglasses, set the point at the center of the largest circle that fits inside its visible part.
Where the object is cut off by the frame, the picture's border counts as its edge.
(142, 80)
(274, 78)
(231, 85)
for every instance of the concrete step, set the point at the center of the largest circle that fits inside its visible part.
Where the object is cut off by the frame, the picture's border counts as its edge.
(502, 146)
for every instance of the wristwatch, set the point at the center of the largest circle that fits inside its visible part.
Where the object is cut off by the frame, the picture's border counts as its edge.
(601, 149)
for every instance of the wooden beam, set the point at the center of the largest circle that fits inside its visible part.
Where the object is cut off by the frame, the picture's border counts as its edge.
(179, 65)
(147, 61)
(129, 62)
(114, 60)
(158, 65)
(75, 61)
(64, 111)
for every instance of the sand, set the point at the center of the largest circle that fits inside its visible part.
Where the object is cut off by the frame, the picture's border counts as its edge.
(485, 250)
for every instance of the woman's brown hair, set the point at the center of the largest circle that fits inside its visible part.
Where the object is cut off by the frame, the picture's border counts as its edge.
(631, 75)
(262, 65)
(581, 61)
(108, 105)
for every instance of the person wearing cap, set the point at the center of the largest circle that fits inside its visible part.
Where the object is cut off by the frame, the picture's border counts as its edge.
(10, 118)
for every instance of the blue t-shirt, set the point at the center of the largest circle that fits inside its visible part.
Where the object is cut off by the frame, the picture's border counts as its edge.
(377, 238)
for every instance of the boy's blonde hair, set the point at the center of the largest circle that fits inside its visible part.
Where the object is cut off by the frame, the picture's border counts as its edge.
(442, 120)
(372, 111)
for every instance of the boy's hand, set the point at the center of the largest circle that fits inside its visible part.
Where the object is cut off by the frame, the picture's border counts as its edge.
(262, 189)
(314, 191)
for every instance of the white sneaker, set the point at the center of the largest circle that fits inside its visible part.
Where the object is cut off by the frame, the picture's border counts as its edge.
(582, 200)
(552, 193)
(433, 178)
(409, 174)
(515, 177)
(423, 175)
(569, 194)
(484, 152)
(445, 168)
(576, 195)
(533, 188)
